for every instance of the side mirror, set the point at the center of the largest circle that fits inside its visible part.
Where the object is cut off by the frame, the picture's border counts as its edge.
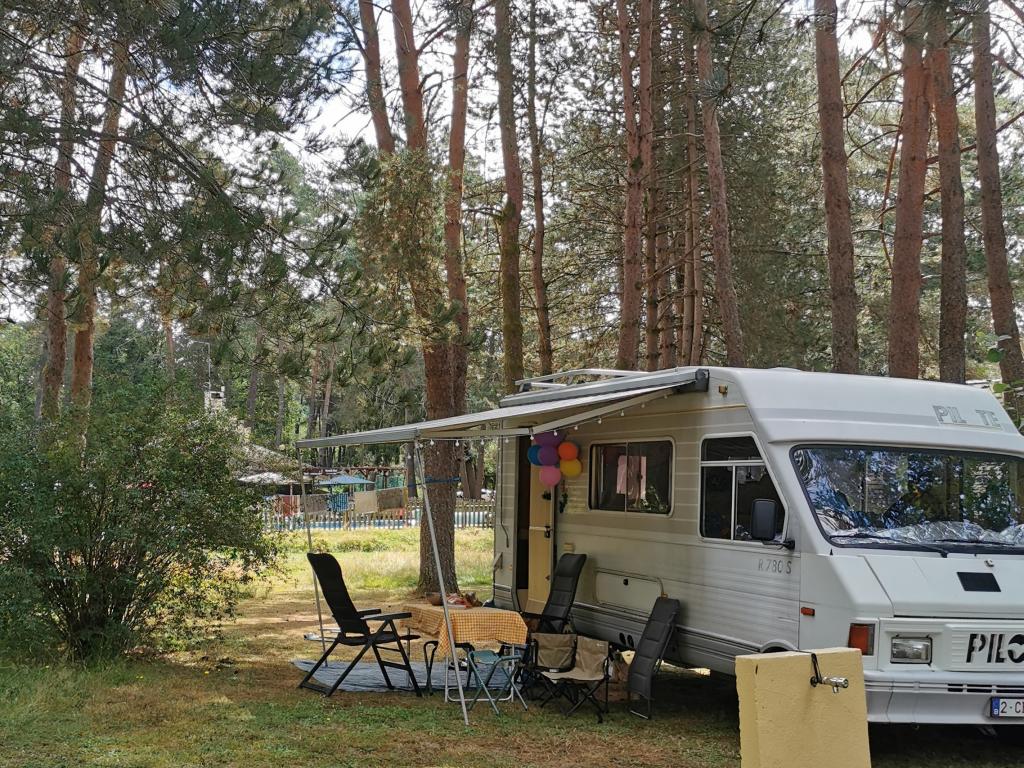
(764, 519)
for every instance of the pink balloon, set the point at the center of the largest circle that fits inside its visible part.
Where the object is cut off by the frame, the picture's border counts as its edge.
(548, 456)
(547, 438)
(550, 476)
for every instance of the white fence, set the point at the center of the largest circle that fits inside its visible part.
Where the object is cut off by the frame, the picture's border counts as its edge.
(285, 514)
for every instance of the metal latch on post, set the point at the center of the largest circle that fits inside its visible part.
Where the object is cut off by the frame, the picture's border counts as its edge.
(835, 682)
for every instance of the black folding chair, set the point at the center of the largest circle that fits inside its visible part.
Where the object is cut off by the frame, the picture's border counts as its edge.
(354, 630)
(555, 616)
(650, 650)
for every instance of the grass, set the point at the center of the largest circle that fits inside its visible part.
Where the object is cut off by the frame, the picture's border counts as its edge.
(234, 702)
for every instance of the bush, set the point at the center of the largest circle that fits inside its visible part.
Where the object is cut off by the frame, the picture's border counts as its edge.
(139, 535)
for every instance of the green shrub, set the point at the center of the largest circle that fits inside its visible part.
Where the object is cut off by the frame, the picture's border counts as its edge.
(139, 535)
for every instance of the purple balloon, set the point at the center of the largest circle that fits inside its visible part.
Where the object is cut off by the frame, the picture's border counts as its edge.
(548, 456)
(547, 438)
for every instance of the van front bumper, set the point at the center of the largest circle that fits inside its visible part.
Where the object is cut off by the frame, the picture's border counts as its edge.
(954, 698)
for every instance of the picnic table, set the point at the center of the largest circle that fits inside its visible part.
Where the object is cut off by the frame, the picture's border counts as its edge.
(469, 625)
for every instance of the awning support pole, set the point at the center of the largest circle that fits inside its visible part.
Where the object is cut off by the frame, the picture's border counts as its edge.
(309, 545)
(418, 452)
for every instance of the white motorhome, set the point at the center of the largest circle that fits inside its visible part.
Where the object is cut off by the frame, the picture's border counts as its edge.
(784, 510)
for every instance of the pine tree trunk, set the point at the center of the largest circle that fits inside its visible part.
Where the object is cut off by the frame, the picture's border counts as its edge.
(540, 289)
(1000, 287)
(314, 375)
(86, 246)
(325, 410)
(56, 323)
(443, 382)
(630, 295)
(649, 178)
(953, 290)
(441, 466)
(252, 391)
(409, 75)
(282, 408)
(836, 187)
(725, 291)
(374, 82)
(663, 252)
(692, 225)
(454, 270)
(512, 210)
(905, 302)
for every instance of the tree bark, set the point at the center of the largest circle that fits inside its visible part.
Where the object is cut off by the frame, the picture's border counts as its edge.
(953, 290)
(374, 81)
(454, 268)
(692, 237)
(512, 210)
(442, 382)
(725, 291)
(905, 302)
(56, 322)
(630, 295)
(540, 288)
(1000, 287)
(645, 60)
(663, 257)
(836, 188)
(282, 406)
(87, 234)
(252, 391)
(314, 374)
(409, 75)
(325, 410)
(441, 467)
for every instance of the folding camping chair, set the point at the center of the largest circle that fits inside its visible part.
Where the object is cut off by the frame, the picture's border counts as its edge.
(354, 630)
(581, 684)
(508, 662)
(650, 650)
(556, 614)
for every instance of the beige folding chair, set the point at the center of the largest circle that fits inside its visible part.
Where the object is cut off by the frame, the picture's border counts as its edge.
(582, 683)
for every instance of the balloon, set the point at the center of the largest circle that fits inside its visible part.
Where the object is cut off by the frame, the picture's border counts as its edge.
(548, 455)
(550, 476)
(533, 455)
(568, 451)
(570, 467)
(547, 438)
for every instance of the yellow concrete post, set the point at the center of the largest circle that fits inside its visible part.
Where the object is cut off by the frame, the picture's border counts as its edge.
(787, 723)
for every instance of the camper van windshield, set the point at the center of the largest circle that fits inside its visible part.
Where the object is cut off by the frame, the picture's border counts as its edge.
(911, 497)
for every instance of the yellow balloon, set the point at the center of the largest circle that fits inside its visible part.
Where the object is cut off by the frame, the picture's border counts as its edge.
(571, 467)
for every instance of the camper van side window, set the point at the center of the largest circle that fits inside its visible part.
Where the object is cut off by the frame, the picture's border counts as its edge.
(733, 475)
(631, 477)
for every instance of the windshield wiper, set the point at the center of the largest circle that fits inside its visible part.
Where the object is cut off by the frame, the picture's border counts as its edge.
(904, 542)
(980, 542)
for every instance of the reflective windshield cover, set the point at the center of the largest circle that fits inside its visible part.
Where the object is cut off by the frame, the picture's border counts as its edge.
(881, 496)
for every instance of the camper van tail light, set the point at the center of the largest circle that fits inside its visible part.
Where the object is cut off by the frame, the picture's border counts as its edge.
(862, 636)
(911, 650)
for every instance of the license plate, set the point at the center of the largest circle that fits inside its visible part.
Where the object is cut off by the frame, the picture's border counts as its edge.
(1007, 708)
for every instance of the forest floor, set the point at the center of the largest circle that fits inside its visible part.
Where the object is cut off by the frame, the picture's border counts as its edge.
(235, 703)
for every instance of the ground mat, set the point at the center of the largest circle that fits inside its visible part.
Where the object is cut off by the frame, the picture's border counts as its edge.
(367, 676)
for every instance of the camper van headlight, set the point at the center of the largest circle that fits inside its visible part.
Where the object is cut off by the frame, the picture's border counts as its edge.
(911, 650)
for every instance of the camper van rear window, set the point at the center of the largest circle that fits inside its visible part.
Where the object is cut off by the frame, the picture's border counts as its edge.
(632, 477)
(732, 477)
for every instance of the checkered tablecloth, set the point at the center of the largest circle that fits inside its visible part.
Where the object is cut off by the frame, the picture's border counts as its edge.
(468, 625)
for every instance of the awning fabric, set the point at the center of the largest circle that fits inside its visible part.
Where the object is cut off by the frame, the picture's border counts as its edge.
(510, 421)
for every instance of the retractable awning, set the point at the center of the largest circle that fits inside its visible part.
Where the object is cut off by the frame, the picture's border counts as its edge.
(514, 420)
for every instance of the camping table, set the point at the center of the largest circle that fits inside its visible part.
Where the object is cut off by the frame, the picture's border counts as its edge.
(468, 625)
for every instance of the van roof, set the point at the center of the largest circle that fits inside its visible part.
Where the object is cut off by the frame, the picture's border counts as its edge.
(788, 405)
